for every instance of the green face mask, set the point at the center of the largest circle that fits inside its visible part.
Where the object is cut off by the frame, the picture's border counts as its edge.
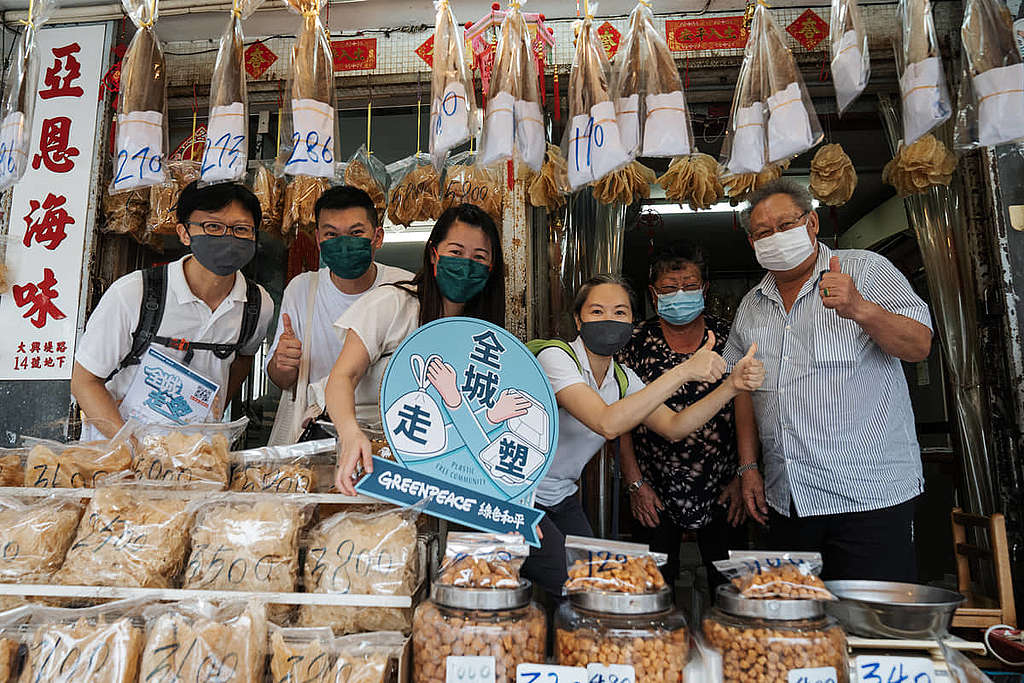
(348, 257)
(460, 279)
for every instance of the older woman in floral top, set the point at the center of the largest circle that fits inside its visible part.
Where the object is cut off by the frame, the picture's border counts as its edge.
(690, 485)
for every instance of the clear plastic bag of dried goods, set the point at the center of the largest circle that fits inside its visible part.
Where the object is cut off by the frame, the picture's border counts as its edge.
(592, 142)
(197, 641)
(269, 190)
(140, 138)
(922, 79)
(467, 182)
(371, 553)
(131, 534)
(848, 42)
(99, 644)
(125, 213)
(476, 560)
(513, 120)
(415, 191)
(306, 467)
(453, 118)
(309, 140)
(990, 108)
(650, 107)
(314, 654)
(369, 174)
(777, 575)
(10, 638)
(35, 534)
(189, 456)
(76, 464)
(163, 198)
(12, 466)
(226, 156)
(549, 187)
(19, 96)
(298, 205)
(597, 564)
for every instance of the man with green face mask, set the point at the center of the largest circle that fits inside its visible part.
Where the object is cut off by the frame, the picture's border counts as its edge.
(348, 232)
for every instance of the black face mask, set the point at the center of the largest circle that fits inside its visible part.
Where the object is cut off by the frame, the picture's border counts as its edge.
(222, 255)
(606, 337)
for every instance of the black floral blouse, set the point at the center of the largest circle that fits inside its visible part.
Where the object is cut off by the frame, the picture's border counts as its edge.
(688, 475)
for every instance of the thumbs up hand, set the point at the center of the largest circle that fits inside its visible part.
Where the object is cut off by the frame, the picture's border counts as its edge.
(705, 365)
(748, 373)
(289, 348)
(839, 292)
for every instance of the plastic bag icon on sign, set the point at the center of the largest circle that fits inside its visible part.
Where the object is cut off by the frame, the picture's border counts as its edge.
(414, 420)
(533, 426)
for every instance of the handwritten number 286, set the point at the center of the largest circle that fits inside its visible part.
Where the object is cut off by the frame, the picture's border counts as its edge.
(315, 152)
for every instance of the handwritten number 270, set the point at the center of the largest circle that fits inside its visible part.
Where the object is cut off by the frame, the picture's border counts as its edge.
(869, 672)
(153, 164)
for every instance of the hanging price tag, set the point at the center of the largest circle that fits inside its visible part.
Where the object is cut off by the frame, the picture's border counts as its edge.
(12, 136)
(611, 673)
(878, 669)
(499, 129)
(469, 670)
(139, 158)
(226, 150)
(824, 674)
(547, 673)
(449, 124)
(311, 150)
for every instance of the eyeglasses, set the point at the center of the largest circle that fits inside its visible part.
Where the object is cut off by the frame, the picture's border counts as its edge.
(672, 289)
(217, 229)
(782, 227)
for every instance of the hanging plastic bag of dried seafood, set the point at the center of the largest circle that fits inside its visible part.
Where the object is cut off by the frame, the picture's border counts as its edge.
(416, 192)
(592, 143)
(922, 81)
(991, 103)
(466, 181)
(848, 41)
(513, 122)
(453, 117)
(649, 103)
(694, 180)
(833, 177)
(309, 140)
(369, 174)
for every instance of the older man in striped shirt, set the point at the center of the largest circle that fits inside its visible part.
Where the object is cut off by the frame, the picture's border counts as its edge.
(842, 467)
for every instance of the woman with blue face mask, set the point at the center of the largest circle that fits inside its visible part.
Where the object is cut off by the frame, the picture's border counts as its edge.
(463, 274)
(688, 487)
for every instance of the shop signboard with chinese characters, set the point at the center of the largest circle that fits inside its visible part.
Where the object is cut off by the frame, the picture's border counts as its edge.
(50, 211)
(472, 424)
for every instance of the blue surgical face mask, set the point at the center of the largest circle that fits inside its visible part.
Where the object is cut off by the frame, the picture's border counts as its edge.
(681, 307)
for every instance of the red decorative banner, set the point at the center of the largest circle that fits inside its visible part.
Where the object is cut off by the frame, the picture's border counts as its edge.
(426, 51)
(717, 33)
(357, 54)
(809, 29)
(484, 63)
(258, 58)
(610, 38)
(191, 148)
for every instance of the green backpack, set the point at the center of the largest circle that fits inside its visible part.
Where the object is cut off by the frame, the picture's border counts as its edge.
(538, 345)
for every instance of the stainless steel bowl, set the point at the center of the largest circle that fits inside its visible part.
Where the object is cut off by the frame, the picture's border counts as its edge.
(884, 609)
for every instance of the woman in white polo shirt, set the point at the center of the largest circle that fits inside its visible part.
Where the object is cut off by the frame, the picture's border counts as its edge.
(592, 411)
(463, 273)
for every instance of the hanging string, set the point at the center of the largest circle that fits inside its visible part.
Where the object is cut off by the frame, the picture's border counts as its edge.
(280, 113)
(419, 112)
(369, 113)
(195, 115)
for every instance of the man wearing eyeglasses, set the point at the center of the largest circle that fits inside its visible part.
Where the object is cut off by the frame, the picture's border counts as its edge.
(842, 466)
(198, 311)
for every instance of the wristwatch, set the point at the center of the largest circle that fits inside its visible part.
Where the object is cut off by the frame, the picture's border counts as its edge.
(636, 486)
(746, 468)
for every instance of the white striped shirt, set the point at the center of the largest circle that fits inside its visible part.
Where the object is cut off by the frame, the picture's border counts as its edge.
(836, 427)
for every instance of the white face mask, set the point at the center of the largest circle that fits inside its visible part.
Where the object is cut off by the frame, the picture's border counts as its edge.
(784, 250)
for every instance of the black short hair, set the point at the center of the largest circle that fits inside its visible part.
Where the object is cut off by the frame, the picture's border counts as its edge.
(346, 197)
(216, 197)
(677, 255)
(583, 293)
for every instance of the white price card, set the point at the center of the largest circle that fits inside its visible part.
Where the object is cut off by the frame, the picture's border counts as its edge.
(450, 113)
(469, 670)
(139, 159)
(12, 139)
(311, 149)
(824, 674)
(548, 673)
(226, 151)
(610, 673)
(878, 669)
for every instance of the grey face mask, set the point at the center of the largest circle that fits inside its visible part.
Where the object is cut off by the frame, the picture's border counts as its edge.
(222, 255)
(606, 337)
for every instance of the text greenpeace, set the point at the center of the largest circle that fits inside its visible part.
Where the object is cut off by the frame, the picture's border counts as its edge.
(394, 481)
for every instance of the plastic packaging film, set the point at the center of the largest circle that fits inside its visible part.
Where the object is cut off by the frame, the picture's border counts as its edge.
(369, 174)
(12, 466)
(274, 475)
(453, 118)
(81, 464)
(477, 560)
(599, 565)
(299, 202)
(314, 654)
(269, 190)
(468, 182)
(848, 42)
(163, 199)
(191, 456)
(415, 191)
(922, 80)
(35, 535)
(775, 575)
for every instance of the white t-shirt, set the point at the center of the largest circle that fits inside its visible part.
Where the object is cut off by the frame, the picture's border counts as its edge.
(383, 318)
(108, 334)
(577, 443)
(331, 303)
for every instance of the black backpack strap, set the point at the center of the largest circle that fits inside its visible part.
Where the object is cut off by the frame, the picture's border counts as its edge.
(151, 314)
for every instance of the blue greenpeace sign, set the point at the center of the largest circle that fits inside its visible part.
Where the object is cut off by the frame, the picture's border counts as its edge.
(473, 424)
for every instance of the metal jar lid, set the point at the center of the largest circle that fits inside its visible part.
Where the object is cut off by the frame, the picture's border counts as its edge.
(622, 603)
(730, 601)
(484, 599)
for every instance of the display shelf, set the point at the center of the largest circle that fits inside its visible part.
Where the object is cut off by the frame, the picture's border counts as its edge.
(240, 496)
(858, 643)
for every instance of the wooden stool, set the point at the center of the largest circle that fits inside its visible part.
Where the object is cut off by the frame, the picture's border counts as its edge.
(980, 611)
